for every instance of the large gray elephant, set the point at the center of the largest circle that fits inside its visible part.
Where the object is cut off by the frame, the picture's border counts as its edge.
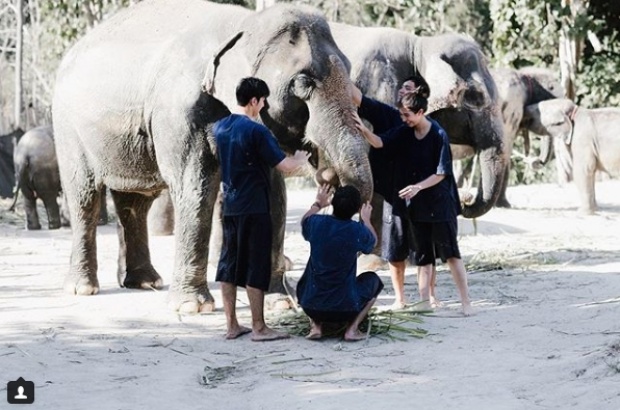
(129, 112)
(37, 176)
(589, 136)
(463, 96)
(518, 89)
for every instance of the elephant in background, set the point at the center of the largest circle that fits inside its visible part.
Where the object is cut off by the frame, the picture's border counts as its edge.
(589, 137)
(518, 89)
(463, 97)
(7, 169)
(133, 108)
(37, 176)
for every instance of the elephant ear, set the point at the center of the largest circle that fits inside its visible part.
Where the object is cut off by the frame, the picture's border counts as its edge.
(569, 116)
(208, 82)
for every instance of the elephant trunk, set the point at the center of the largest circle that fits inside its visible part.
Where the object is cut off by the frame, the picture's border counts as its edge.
(493, 160)
(546, 150)
(492, 169)
(331, 127)
(344, 160)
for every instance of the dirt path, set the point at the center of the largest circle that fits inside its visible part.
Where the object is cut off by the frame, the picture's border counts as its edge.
(545, 283)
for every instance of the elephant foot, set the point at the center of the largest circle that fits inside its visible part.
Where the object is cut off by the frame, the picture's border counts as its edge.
(80, 285)
(586, 211)
(33, 227)
(371, 262)
(143, 278)
(54, 225)
(502, 203)
(199, 301)
(278, 302)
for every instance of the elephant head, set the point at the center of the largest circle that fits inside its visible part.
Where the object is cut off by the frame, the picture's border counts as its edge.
(456, 70)
(467, 106)
(463, 95)
(554, 119)
(292, 50)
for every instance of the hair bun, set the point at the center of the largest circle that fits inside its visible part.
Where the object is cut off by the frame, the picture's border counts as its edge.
(423, 91)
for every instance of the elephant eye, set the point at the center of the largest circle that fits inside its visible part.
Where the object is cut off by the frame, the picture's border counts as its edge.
(302, 86)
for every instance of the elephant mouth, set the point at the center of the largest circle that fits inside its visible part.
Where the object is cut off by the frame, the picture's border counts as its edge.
(327, 175)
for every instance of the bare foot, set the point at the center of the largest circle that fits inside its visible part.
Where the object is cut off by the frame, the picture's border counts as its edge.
(267, 334)
(316, 332)
(423, 306)
(468, 310)
(239, 331)
(354, 335)
(314, 335)
(435, 303)
(398, 305)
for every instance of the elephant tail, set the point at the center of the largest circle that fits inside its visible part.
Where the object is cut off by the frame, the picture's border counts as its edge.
(19, 174)
(15, 195)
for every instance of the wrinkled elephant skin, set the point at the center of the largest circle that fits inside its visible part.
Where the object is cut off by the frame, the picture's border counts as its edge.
(589, 137)
(133, 107)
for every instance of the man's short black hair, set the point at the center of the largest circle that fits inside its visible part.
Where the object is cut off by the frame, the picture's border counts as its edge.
(251, 87)
(346, 202)
(421, 85)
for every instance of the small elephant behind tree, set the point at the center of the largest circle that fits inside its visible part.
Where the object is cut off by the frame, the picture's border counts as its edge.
(589, 138)
(37, 176)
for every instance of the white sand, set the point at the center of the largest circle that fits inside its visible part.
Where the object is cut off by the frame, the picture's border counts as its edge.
(546, 334)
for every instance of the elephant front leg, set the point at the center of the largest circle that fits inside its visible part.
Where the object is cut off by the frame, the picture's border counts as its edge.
(193, 211)
(82, 276)
(277, 203)
(584, 176)
(134, 260)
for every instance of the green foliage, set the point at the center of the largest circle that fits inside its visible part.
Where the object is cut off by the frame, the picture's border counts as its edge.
(523, 33)
(598, 84)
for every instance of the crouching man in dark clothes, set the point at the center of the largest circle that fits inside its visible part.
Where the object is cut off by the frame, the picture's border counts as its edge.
(329, 290)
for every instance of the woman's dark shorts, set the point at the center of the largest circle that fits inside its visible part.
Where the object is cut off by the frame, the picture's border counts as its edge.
(435, 240)
(395, 242)
(368, 284)
(245, 259)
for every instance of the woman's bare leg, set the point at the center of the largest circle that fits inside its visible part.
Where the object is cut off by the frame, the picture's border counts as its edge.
(457, 267)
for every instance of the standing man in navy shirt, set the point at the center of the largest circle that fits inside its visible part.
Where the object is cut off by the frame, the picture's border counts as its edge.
(247, 152)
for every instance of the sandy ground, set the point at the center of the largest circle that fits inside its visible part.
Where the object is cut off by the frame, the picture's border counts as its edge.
(546, 335)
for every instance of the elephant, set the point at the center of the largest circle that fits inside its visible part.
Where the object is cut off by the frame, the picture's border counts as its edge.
(7, 169)
(37, 176)
(133, 108)
(463, 97)
(589, 136)
(518, 89)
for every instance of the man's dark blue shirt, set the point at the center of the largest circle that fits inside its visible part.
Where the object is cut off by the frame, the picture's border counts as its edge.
(247, 151)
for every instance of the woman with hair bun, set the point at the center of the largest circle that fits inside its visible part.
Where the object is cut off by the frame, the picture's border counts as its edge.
(425, 184)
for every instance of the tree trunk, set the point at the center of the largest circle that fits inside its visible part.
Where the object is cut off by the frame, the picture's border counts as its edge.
(19, 27)
(570, 46)
(263, 4)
